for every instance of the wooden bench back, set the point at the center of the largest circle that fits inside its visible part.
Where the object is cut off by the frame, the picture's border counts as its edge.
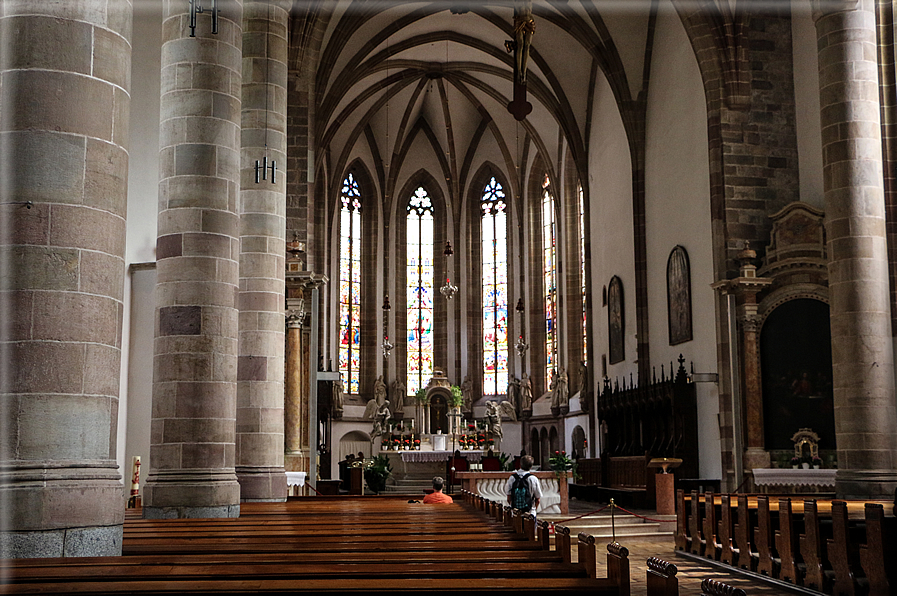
(661, 578)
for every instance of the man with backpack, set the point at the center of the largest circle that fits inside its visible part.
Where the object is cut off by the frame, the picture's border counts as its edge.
(523, 488)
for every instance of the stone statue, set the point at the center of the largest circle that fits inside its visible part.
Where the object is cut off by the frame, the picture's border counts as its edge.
(381, 415)
(525, 394)
(379, 390)
(467, 394)
(399, 395)
(584, 378)
(513, 389)
(560, 397)
(337, 409)
(494, 412)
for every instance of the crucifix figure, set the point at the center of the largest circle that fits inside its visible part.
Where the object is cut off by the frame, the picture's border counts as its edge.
(524, 27)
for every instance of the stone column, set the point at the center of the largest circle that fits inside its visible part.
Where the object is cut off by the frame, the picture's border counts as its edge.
(862, 352)
(260, 390)
(192, 440)
(65, 79)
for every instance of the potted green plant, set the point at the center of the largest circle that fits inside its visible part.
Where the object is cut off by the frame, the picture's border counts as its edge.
(376, 473)
(457, 397)
(561, 463)
(421, 396)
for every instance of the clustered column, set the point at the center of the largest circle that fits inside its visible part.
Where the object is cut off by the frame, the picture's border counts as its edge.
(260, 372)
(862, 352)
(65, 80)
(192, 442)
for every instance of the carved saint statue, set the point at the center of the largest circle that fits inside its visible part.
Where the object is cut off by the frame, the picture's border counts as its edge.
(466, 394)
(559, 392)
(380, 414)
(494, 412)
(379, 390)
(525, 394)
(513, 388)
(399, 395)
(337, 411)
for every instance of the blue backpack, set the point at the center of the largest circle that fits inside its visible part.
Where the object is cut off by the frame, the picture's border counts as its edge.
(522, 493)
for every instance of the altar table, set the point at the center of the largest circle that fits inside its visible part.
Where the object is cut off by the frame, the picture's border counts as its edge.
(818, 479)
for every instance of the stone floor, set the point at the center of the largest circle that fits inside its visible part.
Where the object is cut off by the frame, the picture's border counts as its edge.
(691, 572)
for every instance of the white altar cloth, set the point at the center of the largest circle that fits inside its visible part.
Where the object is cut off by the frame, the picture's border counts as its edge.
(791, 477)
(431, 456)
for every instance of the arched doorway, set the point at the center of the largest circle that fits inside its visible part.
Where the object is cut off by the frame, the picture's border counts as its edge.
(553, 442)
(438, 413)
(544, 450)
(796, 368)
(579, 445)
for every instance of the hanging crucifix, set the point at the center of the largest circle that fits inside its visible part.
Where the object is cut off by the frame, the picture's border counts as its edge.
(524, 27)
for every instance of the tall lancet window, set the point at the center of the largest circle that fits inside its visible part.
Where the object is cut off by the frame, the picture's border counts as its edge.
(549, 278)
(582, 269)
(495, 289)
(420, 275)
(350, 284)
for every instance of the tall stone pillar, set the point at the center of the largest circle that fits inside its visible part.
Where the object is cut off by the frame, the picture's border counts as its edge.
(192, 441)
(260, 389)
(862, 352)
(65, 80)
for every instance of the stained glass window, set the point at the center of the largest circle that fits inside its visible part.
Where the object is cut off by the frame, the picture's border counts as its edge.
(582, 268)
(350, 284)
(420, 277)
(495, 289)
(549, 277)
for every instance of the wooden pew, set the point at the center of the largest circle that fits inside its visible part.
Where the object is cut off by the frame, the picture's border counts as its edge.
(262, 555)
(562, 542)
(786, 545)
(811, 550)
(712, 548)
(876, 555)
(698, 542)
(764, 538)
(728, 554)
(710, 587)
(841, 555)
(683, 540)
(661, 578)
(742, 535)
(587, 553)
(618, 567)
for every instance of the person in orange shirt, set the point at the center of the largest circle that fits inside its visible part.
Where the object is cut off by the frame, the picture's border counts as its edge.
(437, 496)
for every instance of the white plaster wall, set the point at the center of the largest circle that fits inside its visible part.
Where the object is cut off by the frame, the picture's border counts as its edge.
(135, 387)
(677, 212)
(139, 373)
(806, 97)
(610, 224)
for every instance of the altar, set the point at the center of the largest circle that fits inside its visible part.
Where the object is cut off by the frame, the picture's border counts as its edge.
(771, 480)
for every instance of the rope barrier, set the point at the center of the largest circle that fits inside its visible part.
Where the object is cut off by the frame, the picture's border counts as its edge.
(313, 488)
(637, 515)
(597, 511)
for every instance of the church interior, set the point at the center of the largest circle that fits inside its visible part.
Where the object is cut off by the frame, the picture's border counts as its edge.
(245, 239)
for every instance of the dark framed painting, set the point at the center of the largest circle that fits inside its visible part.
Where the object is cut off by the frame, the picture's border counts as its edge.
(615, 320)
(679, 296)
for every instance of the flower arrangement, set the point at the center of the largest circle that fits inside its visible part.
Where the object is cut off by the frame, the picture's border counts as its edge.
(561, 463)
(417, 444)
(795, 461)
(384, 444)
(817, 461)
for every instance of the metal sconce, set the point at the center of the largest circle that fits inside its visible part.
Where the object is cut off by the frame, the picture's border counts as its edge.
(521, 346)
(196, 8)
(448, 290)
(386, 346)
(263, 167)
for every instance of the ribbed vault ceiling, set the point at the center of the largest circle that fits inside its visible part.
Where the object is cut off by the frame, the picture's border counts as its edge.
(392, 73)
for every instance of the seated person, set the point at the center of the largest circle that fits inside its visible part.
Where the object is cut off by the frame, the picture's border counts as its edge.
(437, 496)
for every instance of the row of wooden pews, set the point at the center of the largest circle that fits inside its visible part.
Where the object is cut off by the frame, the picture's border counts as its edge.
(347, 545)
(830, 546)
